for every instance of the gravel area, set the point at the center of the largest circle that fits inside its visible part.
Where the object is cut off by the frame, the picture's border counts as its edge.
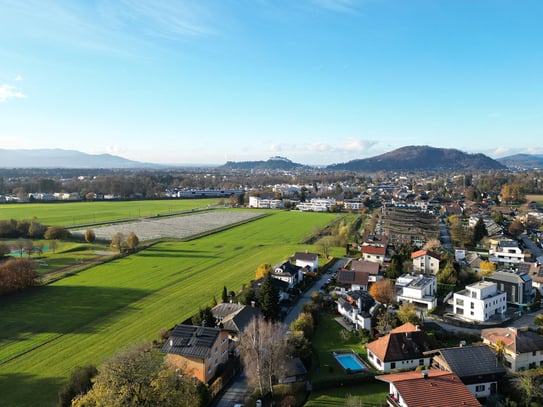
(177, 227)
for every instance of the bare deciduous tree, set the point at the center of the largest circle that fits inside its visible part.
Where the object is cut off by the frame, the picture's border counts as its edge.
(263, 349)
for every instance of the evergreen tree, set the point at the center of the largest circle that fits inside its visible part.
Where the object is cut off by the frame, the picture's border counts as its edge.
(224, 294)
(204, 317)
(394, 270)
(269, 299)
(479, 231)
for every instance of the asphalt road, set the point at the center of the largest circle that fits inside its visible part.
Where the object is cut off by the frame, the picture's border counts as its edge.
(239, 388)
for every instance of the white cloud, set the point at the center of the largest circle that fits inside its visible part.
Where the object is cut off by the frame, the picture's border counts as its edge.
(8, 92)
(115, 150)
(19, 78)
(352, 144)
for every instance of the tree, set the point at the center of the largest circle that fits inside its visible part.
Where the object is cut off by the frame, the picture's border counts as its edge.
(224, 294)
(432, 244)
(487, 267)
(263, 349)
(529, 384)
(394, 270)
(447, 275)
(538, 320)
(28, 247)
(16, 275)
(53, 245)
(36, 230)
(137, 377)
(304, 323)
(117, 241)
(479, 231)
(515, 228)
(79, 383)
(90, 236)
(204, 317)
(383, 291)
(408, 313)
(262, 270)
(56, 233)
(132, 241)
(268, 299)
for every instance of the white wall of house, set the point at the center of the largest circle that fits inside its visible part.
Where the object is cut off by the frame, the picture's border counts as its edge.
(480, 301)
(524, 361)
(426, 264)
(480, 390)
(399, 364)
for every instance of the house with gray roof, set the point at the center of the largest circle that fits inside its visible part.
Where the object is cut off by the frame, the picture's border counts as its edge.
(234, 317)
(359, 308)
(197, 350)
(477, 367)
(517, 285)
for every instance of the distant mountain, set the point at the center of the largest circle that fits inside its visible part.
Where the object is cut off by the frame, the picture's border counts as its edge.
(416, 158)
(524, 161)
(273, 163)
(58, 158)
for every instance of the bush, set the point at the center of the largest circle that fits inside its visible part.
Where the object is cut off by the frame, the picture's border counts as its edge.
(56, 233)
(79, 383)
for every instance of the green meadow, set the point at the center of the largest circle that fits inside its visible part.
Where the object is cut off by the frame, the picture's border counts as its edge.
(77, 213)
(87, 317)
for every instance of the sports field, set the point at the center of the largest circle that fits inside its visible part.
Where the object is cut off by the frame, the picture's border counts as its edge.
(87, 317)
(82, 213)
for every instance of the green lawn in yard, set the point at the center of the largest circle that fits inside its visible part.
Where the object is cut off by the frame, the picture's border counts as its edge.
(85, 318)
(328, 339)
(371, 394)
(76, 213)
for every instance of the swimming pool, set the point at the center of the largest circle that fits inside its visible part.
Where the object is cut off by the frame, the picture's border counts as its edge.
(350, 361)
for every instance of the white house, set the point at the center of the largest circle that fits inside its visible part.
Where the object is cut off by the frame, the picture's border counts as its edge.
(522, 349)
(305, 259)
(480, 301)
(425, 261)
(373, 253)
(316, 205)
(358, 307)
(289, 273)
(420, 290)
(258, 202)
(507, 252)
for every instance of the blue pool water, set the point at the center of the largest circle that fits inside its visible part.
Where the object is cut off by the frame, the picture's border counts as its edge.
(349, 361)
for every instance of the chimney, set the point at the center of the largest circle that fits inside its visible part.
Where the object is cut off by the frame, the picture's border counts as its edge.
(171, 343)
(462, 344)
(253, 304)
(425, 374)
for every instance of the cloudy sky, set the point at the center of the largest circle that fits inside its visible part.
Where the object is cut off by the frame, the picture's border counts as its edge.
(316, 81)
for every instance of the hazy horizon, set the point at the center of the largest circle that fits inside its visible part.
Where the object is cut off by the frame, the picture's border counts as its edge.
(316, 81)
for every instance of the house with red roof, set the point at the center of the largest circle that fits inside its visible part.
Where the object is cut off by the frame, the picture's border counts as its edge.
(425, 261)
(427, 388)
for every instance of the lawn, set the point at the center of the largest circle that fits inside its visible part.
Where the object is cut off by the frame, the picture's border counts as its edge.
(78, 213)
(371, 394)
(328, 339)
(87, 317)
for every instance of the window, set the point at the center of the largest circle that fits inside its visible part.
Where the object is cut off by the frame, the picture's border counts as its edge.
(480, 388)
(534, 353)
(393, 365)
(472, 305)
(421, 362)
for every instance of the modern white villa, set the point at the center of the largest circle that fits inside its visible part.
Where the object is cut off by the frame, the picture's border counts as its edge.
(480, 301)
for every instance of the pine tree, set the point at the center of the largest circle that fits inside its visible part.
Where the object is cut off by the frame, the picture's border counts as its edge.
(479, 231)
(269, 299)
(224, 294)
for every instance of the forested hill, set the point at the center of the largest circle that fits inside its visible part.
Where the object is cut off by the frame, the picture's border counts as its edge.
(415, 158)
(272, 164)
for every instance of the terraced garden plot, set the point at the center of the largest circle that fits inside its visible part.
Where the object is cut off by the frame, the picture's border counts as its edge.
(175, 227)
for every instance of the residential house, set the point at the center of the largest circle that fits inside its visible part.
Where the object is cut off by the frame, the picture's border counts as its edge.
(234, 318)
(535, 271)
(289, 273)
(506, 253)
(348, 280)
(425, 261)
(358, 307)
(197, 350)
(517, 285)
(258, 202)
(420, 290)
(310, 261)
(364, 266)
(316, 205)
(523, 349)
(372, 253)
(431, 387)
(402, 348)
(476, 366)
(480, 301)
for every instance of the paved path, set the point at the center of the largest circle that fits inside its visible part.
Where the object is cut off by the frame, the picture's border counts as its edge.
(239, 388)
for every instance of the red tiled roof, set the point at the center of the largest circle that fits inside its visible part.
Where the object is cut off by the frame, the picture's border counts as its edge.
(374, 250)
(514, 340)
(407, 327)
(420, 253)
(440, 388)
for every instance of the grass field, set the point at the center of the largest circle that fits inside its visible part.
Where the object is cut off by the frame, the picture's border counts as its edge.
(536, 198)
(366, 395)
(79, 213)
(87, 317)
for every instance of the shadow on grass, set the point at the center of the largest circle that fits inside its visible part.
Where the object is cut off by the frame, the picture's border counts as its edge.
(178, 253)
(61, 309)
(20, 390)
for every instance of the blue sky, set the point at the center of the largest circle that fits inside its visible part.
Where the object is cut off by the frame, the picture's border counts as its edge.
(317, 81)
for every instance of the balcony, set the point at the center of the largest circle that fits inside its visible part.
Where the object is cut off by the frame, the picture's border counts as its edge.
(392, 401)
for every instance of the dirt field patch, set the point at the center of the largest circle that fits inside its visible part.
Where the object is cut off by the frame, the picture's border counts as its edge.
(179, 227)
